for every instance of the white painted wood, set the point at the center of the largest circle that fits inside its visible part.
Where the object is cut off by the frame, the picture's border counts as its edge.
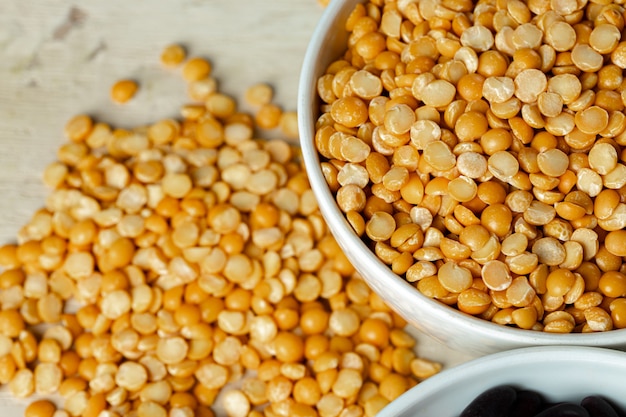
(59, 58)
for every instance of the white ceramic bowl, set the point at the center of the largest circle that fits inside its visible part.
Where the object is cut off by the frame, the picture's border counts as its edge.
(457, 330)
(563, 373)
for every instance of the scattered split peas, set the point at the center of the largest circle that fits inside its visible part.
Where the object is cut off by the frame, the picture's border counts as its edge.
(269, 115)
(197, 257)
(479, 149)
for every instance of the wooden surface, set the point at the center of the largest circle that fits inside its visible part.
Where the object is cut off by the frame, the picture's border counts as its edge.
(59, 58)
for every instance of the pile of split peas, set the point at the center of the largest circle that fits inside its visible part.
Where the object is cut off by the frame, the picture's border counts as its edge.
(202, 271)
(479, 148)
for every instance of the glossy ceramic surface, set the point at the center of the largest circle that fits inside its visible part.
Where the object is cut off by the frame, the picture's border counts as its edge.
(560, 373)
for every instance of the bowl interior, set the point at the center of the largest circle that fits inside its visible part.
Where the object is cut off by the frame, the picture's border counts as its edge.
(560, 373)
(448, 325)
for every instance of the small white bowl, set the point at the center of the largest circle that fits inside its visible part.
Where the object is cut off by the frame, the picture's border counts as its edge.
(448, 325)
(563, 373)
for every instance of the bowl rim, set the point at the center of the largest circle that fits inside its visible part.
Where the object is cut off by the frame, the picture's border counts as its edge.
(495, 363)
(386, 281)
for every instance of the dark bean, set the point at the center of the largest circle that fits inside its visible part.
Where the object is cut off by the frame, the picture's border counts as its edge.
(564, 410)
(495, 402)
(598, 407)
(527, 404)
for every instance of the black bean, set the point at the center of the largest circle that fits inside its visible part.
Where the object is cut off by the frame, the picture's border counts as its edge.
(527, 404)
(495, 402)
(564, 410)
(598, 407)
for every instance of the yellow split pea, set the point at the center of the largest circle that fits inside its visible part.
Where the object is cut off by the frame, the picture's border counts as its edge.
(123, 90)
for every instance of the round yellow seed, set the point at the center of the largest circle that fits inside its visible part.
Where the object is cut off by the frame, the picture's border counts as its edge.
(40, 408)
(196, 69)
(173, 55)
(123, 90)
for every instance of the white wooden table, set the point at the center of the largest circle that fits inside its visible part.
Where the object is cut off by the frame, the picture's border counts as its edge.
(59, 58)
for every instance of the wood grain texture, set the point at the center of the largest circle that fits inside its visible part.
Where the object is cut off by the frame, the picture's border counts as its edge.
(59, 58)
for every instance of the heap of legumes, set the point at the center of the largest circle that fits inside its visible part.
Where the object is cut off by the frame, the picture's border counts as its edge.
(478, 148)
(202, 271)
